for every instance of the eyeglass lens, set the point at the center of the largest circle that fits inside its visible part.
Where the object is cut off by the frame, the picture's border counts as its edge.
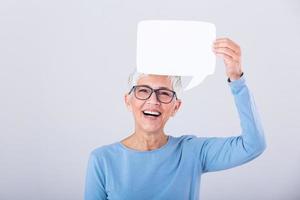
(163, 95)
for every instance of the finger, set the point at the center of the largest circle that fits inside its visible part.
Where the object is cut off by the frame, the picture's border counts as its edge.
(229, 62)
(229, 46)
(225, 57)
(234, 48)
(228, 52)
(225, 50)
(225, 42)
(224, 39)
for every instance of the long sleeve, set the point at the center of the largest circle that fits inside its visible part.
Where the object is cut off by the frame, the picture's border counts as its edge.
(95, 180)
(218, 153)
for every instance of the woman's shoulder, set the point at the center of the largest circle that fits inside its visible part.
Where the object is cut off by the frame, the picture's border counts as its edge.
(105, 149)
(185, 137)
(190, 139)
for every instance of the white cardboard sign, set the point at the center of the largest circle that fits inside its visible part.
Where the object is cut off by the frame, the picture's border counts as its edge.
(176, 47)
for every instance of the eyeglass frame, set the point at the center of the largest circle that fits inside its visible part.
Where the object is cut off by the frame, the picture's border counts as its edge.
(155, 91)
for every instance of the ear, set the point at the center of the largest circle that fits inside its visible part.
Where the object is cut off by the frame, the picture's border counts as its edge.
(176, 107)
(127, 99)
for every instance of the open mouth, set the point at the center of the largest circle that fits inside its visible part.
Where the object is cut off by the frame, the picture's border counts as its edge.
(149, 113)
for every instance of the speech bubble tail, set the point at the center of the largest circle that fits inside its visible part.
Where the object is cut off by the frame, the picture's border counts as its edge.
(194, 82)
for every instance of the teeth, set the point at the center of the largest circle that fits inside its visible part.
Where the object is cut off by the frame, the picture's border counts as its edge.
(151, 112)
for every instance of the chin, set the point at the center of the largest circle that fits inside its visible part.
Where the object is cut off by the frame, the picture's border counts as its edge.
(150, 125)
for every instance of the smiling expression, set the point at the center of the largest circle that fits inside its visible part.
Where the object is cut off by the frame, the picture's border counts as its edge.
(142, 109)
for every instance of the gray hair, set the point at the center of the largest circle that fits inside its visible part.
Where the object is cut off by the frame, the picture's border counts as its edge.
(175, 80)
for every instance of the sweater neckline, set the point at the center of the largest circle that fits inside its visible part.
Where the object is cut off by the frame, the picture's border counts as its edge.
(150, 151)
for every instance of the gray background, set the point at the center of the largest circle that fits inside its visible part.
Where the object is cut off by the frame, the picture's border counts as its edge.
(64, 67)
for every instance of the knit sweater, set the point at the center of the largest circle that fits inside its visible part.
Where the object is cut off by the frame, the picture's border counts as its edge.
(173, 171)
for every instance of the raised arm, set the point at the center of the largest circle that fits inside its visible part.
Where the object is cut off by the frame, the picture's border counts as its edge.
(223, 153)
(219, 153)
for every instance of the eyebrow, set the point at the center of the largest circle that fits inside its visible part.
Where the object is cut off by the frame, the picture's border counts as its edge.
(157, 88)
(164, 88)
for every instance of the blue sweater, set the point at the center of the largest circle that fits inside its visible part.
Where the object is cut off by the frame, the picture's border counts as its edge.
(173, 171)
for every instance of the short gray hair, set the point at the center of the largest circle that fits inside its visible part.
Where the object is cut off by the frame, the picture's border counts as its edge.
(175, 80)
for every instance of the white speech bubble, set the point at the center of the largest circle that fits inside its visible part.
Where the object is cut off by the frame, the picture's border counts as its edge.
(176, 47)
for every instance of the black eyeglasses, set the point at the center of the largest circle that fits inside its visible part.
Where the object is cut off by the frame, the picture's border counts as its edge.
(144, 92)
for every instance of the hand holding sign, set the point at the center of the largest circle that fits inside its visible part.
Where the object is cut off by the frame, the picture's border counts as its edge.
(174, 47)
(231, 54)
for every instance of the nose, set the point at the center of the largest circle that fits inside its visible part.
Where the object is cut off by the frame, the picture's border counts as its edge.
(153, 99)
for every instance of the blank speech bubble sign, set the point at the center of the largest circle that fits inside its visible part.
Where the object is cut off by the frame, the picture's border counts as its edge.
(176, 47)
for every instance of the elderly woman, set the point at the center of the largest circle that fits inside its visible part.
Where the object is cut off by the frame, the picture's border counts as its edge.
(150, 164)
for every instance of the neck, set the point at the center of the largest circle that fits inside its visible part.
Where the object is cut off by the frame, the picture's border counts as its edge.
(146, 141)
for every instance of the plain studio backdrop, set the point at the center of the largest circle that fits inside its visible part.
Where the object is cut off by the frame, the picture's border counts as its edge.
(63, 74)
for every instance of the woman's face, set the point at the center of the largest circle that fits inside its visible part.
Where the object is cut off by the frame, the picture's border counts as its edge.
(148, 123)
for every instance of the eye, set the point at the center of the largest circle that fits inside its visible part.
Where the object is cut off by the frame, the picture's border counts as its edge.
(143, 90)
(166, 93)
